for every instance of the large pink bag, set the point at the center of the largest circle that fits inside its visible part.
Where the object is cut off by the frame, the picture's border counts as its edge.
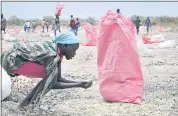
(149, 40)
(17, 30)
(58, 9)
(91, 34)
(119, 69)
(159, 28)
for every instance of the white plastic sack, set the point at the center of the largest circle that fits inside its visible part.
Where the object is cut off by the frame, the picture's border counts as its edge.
(45, 35)
(7, 37)
(22, 31)
(12, 39)
(6, 84)
(142, 48)
(51, 34)
(159, 37)
(167, 44)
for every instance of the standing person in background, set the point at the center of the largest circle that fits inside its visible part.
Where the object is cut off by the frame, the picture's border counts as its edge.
(137, 24)
(3, 24)
(57, 25)
(77, 26)
(43, 25)
(33, 26)
(72, 24)
(148, 24)
(25, 26)
(47, 25)
(28, 26)
(53, 28)
(118, 11)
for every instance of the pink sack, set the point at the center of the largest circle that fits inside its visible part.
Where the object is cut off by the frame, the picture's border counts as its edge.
(159, 28)
(149, 40)
(119, 69)
(38, 71)
(91, 34)
(59, 7)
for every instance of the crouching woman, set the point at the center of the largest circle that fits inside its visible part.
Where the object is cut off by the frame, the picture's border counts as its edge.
(46, 56)
(67, 45)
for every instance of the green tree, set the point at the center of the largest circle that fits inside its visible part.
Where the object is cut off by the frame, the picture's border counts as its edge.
(38, 21)
(91, 20)
(50, 19)
(133, 18)
(14, 20)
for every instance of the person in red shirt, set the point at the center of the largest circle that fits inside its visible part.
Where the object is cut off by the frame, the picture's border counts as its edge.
(72, 24)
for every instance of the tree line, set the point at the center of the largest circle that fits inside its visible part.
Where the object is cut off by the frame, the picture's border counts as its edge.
(162, 20)
(15, 21)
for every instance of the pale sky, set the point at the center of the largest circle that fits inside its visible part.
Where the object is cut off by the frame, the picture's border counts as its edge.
(31, 10)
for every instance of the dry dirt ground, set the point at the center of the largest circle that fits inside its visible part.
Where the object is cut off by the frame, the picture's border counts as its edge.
(160, 97)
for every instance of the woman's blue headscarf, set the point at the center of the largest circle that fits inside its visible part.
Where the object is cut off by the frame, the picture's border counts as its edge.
(68, 37)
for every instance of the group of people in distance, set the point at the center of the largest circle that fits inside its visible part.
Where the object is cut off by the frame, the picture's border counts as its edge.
(147, 24)
(74, 24)
(138, 22)
(30, 26)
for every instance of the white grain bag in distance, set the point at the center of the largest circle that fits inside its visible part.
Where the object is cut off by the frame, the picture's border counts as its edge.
(22, 31)
(168, 44)
(142, 48)
(51, 34)
(6, 84)
(7, 37)
(159, 37)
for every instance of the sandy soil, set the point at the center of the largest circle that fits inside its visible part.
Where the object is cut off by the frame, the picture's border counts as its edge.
(160, 87)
